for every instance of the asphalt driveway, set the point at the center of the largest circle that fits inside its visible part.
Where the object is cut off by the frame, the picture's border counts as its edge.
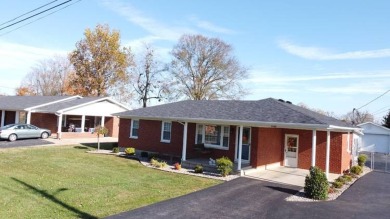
(23, 143)
(369, 197)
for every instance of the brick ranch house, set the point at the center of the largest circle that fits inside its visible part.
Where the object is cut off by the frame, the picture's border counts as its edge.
(260, 134)
(67, 116)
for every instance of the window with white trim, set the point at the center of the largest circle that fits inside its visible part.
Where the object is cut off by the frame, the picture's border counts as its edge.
(213, 135)
(166, 129)
(134, 128)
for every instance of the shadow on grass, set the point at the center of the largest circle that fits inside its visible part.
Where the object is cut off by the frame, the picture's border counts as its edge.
(103, 145)
(285, 190)
(81, 147)
(52, 198)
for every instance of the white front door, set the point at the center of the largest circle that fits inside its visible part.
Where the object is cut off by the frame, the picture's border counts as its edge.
(246, 144)
(291, 150)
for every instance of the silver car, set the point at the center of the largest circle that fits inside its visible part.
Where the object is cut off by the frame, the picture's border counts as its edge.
(13, 132)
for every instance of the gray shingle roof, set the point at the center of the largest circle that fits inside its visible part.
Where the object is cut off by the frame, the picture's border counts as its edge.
(23, 102)
(267, 110)
(52, 108)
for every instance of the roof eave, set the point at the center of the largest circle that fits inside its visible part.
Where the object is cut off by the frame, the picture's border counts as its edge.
(235, 122)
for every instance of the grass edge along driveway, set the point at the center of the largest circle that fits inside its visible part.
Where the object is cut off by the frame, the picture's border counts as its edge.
(66, 182)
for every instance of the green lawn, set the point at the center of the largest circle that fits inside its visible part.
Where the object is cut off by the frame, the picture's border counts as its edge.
(66, 182)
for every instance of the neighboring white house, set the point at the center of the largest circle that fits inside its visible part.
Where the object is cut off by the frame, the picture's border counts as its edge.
(376, 138)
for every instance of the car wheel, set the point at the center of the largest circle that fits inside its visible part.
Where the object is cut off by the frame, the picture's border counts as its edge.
(44, 135)
(12, 137)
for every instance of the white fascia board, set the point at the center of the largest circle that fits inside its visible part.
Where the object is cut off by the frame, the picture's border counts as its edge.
(53, 102)
(236, 122)
(93, 101)
(343, 129)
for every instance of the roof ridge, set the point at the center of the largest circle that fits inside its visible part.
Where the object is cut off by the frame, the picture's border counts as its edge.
(288, 105)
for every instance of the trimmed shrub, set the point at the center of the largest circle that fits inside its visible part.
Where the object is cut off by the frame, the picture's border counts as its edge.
(362, 160)
(177, 166)
(115, 150)
(224, 166)
(356, 170)
(337, 184)
(316, 184)
(130, 151)
(198, 168)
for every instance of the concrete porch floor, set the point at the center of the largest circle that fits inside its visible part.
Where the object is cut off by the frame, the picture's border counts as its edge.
(285, 175)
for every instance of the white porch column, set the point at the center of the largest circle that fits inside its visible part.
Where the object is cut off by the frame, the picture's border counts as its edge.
(184, 151)
(28, 120)
(314, 148)
(16, 116)
(102, 121)
(327, 153)
(240, 148)
(348, 143)
(82, 123)
(59, 126)
(2, 117)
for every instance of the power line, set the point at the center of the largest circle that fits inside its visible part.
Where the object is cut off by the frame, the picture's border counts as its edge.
(28, 12)
(381, 109)
(35, 15)
(39, 18)
(374, 99)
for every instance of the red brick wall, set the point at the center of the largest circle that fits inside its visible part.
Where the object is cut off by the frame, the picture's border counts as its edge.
(44, 120)
(149, 139)
(346, 155)
(267, 146)
(109, 123)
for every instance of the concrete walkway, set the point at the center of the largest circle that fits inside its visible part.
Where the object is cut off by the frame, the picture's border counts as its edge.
(284, 175)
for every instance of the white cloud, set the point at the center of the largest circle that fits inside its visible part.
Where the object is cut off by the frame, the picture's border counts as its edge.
(266, 77)
(317, 53)
(17, 60)
(206, 25)
(152, 26)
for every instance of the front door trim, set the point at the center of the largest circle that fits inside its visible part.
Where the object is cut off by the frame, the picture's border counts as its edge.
(286, 162)
(236, 148)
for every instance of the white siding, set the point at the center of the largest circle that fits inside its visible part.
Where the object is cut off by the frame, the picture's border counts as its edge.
(103, 108)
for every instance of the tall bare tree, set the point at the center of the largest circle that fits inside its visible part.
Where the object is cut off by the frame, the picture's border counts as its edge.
(150, 83)
(49, 78)
(205, 68)
(357, 117)
(99, 61)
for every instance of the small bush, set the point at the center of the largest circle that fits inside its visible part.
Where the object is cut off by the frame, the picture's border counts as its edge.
(337, 184)
(224, 166)
(115, 150)
(144, 154)
(198, 168)
(316, 184)
(347, 178)
(153, 162)
(177, 166)
(130, 151)
(356, 170)
(341, 179)
(362, 160)
(158, 164)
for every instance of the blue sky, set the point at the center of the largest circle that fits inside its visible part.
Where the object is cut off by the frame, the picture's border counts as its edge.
(332, 55)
